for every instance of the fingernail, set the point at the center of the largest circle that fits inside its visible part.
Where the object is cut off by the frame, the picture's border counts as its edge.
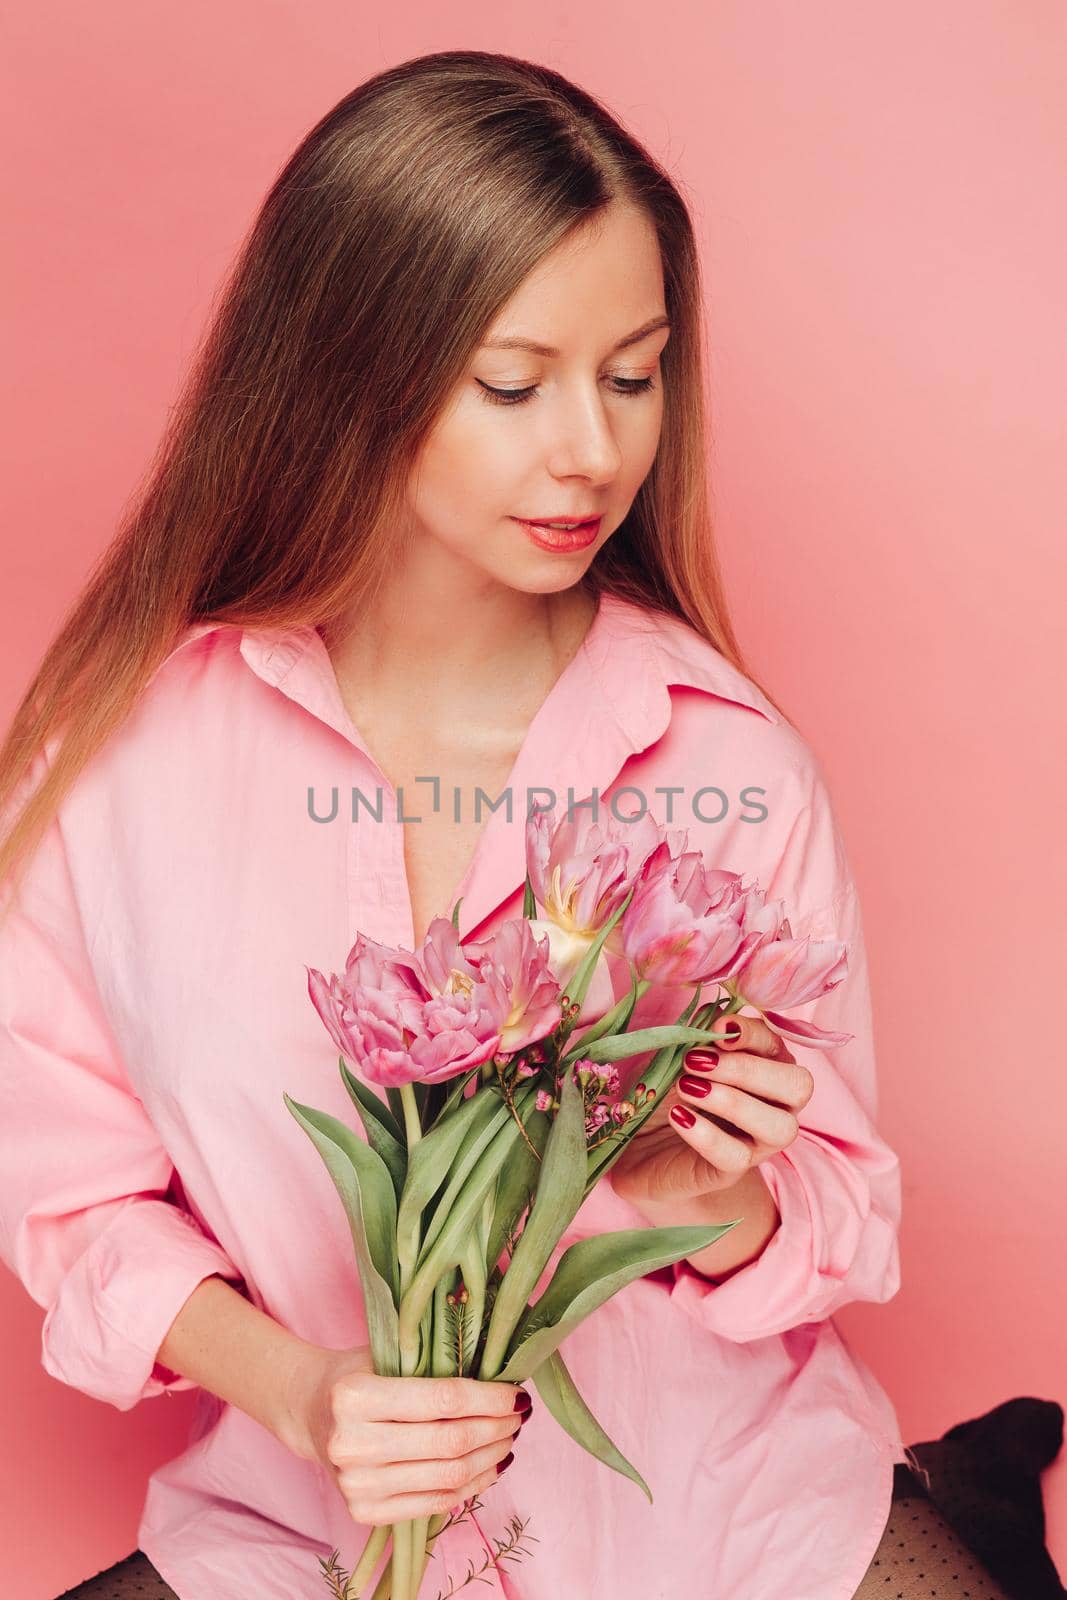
(508, 1459)
(523, 1401)
(702, 1060)
(694, 1086)
(732, 1030)
(682, 1116)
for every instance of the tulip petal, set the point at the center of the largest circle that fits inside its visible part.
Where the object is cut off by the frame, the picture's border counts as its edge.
(800, 1032)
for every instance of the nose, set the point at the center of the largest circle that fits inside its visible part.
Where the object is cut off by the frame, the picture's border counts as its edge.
(584, 444)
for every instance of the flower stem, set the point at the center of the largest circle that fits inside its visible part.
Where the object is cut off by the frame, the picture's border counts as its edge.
(412, 1120)
(420, 1563)
(509, 1100)
(419, 1529)
(384, 1587)
(402, 1561)
(450, 1242)
(379, 1538)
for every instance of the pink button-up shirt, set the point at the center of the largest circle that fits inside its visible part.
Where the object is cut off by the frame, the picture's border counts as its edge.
(154, 1007)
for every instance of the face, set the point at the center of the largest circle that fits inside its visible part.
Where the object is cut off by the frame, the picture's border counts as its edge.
(564, 433)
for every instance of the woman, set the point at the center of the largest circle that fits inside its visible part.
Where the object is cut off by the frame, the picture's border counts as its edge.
(469, 308)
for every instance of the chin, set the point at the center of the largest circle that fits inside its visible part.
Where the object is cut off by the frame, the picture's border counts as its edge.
(546, 582)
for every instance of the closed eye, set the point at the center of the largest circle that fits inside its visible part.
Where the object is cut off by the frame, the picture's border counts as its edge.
(516, 397)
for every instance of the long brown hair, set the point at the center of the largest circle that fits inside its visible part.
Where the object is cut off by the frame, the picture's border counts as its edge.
(393, 235)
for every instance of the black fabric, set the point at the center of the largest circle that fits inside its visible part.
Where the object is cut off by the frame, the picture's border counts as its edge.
(135, 1578)
(906, 1485)
(919, 1557)
(984, 1477)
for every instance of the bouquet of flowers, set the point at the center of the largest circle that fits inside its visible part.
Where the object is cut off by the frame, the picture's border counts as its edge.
(504, 1105)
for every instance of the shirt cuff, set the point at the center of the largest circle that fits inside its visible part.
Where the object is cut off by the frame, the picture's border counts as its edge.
(819, 1257)
(116, 1304)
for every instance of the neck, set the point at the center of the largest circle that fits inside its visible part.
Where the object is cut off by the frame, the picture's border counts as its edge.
(427, 643)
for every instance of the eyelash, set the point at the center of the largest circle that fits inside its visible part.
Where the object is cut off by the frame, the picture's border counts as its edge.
(517, 397)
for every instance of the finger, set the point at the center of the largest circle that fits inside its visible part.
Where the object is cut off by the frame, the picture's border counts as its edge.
(783, 1083)
(424, 1399)
(425, 1476)
(719, 1149)
(768, 1125)
(751, 1034)
(406, 1507)
(418, 1441)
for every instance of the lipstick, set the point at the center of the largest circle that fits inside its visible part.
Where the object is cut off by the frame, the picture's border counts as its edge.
(562, 539)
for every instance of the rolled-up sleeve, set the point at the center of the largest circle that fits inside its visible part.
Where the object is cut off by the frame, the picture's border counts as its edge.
(85, 1218)
(838, 1185)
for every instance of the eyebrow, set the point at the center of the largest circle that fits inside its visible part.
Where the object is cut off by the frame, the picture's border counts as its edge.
(518, 343)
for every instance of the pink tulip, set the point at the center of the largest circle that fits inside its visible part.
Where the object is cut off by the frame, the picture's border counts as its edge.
(683, 925)
(565, 951)
(374, 1004)
(394, 1025)
(519, 987)
(403, 1017)
(443, 962)
(581, 871)
(779, 971)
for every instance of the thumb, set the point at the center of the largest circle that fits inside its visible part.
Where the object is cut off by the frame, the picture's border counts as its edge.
(751, 1034)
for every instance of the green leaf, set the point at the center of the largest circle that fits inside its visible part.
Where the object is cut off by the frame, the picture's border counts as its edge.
(396, 1106)
(617, 1020)
(449, 1245)
(455, 913)
(560, 1393)
(529, 902)
(480, 1136)
(560, 1192)
(431, 1161)
(587, 1274)
(383, 1135)
(456, 1093)
(620, 1045)
(365, 1100)
(362, 1180)
(515, 1185)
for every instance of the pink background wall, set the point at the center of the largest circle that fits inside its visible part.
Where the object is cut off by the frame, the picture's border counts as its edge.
(879, 193)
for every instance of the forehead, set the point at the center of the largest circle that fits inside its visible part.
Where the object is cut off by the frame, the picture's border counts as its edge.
(603, 282)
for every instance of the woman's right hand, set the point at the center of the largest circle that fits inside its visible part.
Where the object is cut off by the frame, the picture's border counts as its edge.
(401, 1448)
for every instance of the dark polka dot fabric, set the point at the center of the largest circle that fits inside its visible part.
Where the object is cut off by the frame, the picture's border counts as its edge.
(968, 1517)
(133, 1579)
(920, 1557)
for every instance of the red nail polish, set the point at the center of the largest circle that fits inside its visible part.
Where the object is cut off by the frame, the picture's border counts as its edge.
(508, 1459)
(523, 1401)
(683, 1116)
(694, 1086)
(732, 1030)
(702, 1060)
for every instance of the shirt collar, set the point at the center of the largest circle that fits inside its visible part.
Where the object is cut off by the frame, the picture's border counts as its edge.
(633, 654)
(611, 701)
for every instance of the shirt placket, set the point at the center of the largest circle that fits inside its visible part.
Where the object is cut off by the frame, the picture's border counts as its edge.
(577, 744)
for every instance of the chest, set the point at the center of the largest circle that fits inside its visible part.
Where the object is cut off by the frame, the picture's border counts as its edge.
(447, 788)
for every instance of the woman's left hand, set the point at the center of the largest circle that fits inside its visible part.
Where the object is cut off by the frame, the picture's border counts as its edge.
(743, 1109)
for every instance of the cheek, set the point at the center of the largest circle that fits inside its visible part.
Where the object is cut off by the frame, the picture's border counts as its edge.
(643, 442)
(471, 464)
